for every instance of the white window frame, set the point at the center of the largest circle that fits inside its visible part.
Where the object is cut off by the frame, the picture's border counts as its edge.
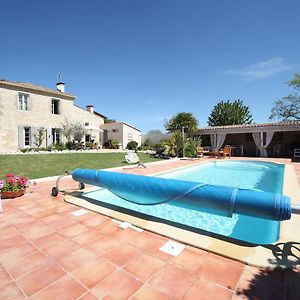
(53, 101)
(27, 131)
(130, 137)
(23, 101)
(56, 136)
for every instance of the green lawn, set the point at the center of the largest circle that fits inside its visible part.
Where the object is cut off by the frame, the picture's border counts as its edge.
(44, 165)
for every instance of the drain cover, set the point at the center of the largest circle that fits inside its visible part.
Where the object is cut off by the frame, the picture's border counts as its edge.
(172, 248)
(79, 212)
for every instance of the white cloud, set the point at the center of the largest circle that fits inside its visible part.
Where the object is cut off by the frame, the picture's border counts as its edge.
(260, 70)
(150, 102)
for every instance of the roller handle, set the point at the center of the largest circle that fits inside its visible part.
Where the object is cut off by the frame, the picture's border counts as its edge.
(295, 209)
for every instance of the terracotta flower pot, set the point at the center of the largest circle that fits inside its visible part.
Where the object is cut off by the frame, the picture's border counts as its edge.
(11, 195)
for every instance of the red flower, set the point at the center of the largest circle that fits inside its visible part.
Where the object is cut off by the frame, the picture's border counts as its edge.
(13, 183)
(9, 175)
(11, 180)
(22, 180)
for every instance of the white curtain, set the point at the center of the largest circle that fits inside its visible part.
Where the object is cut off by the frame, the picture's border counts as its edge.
(217, 140)
(258, 138)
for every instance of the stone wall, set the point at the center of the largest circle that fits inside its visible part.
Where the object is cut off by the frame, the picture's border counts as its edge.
(38, 115)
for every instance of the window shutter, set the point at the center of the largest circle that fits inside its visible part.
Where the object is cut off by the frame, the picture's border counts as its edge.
(20, 137)
(33, 133)
(17, 101)
(49, 136)
(29, 102)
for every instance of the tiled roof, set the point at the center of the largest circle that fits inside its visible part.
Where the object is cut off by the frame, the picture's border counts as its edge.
(95, 113)
(117, 123)
(279, 124)
(30, 86)
(100, 115)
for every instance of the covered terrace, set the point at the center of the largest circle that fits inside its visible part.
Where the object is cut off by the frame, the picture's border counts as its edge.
(264, 140)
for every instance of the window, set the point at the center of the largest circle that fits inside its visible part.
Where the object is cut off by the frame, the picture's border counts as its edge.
(87, 124)
(55, 107)
(87, 138)
(23, 101)
(55, 136)
(27, 134)
(129, 136)
(115, 130)
(105, 136)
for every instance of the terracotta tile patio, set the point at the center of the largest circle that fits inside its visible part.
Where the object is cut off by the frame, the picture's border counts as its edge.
(48, 253)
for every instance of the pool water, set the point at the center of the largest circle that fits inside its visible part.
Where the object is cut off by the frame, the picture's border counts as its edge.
(262, 176)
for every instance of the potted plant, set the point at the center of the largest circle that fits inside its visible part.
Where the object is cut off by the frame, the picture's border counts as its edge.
(12, 186)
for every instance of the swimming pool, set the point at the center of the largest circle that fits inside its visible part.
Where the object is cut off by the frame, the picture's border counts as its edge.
(263, 176)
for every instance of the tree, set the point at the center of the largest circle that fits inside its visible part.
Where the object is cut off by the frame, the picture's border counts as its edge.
(287, 108)
(68, 130)
(190, 146)
(183, 119)
(40, 136)
(154, 131)
(106, 120)
(230, 113)
(78, 131)
(173, 146)
(295, 82)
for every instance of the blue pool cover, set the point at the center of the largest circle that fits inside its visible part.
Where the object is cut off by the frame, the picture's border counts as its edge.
(221, 200)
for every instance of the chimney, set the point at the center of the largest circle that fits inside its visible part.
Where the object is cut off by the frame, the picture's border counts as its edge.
(60, 86)
(90, 108)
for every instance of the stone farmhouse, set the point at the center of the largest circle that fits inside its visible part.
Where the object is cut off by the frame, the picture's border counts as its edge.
(25, 107)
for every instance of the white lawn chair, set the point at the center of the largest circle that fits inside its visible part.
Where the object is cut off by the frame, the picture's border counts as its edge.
(132, 158)
(296, 157)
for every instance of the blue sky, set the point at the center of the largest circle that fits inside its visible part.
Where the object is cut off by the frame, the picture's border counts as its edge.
(142, 61)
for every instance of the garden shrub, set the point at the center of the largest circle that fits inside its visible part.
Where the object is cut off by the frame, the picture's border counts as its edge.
(143, 148)
(132, 145)
(59, 147)
(114, 144)
(70, 145)
(25, 150)
(191, 147)
(89, 145)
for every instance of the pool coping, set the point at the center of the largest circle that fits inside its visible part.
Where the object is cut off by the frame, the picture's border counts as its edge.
(265, 256)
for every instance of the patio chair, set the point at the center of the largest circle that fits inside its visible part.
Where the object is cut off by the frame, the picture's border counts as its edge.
(132, 158)
(227, 151)
(214, 153)
(200, 151)
(296, 156)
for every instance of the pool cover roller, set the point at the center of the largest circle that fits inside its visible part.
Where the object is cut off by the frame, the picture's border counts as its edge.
(221, 200)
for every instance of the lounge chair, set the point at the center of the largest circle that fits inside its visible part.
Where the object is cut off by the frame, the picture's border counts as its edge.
(132, 158)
